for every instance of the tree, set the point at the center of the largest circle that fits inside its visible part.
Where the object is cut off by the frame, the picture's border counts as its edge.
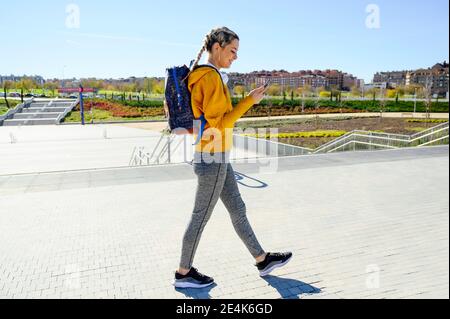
(401, 90)
(239, 90)
(24, 85)
(6, 86)
(326, 94)
(159, 87)
(148, 85)
(355, 91)
(51, 86)
(391, 93)
(274, 89)
(427, 92)
(307, 89)
(382, 103)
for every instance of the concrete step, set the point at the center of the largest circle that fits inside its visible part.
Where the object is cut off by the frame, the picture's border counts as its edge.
(38, 104)
(43, 115)
(47, 109)
(29, 122)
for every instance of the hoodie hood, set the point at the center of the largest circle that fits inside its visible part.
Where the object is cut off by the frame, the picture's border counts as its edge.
(197, 75)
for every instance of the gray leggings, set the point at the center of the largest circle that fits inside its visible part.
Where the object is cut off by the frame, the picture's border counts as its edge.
(216, 180)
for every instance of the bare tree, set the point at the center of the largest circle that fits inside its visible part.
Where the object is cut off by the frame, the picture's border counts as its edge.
(382, 103)
(6, 85)
(316, 109)
(427, 93)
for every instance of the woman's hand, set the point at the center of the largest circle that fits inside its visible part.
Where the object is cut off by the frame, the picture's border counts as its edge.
(258, 94)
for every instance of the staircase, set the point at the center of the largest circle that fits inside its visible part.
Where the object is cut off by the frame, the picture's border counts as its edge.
(364, 140)
(39, 113)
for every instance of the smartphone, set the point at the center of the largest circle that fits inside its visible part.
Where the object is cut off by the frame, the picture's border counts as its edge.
(267, 83)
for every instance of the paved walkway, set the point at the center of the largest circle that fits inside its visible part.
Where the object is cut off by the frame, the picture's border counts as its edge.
(361, 225)
(51, 148)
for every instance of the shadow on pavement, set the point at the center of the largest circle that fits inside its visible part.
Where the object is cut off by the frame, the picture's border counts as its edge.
(245, 180)
(290, 288)
(197, 293)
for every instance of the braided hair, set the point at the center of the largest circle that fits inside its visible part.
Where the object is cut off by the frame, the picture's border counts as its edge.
(223, 36)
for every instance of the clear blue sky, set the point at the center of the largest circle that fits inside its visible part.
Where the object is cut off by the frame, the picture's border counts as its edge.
(141, 38)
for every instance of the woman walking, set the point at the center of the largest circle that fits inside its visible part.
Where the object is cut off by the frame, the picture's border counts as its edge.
(216, 179)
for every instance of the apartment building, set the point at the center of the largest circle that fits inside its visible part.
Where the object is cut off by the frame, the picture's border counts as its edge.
(393, 79)
(436, 78)
(329, 79)
(13, 78)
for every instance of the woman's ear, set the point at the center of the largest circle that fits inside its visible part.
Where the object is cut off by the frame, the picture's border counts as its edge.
(216, 46)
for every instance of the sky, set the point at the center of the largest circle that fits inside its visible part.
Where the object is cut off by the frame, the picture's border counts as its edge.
(119, 39)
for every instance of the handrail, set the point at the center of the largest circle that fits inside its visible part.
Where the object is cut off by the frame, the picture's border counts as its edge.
(422, 135)
(15, 110)
(430, 129)
(68, 109)
(429, 134)
(356, 137)
(359, 142)
(358, 133)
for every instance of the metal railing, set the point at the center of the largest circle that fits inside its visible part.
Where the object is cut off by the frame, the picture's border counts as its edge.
(161, 153)
(263, 147)
(15, 110)
(362, 140)
(352, 141)
(67, 111)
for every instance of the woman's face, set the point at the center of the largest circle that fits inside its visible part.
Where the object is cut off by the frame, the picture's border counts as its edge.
(227, 55)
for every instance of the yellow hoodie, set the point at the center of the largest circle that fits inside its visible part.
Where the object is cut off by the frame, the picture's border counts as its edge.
(210, 97)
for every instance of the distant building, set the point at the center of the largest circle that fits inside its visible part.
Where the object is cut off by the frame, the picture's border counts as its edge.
(378, 85)
(328, 79)
(13, 78)
(350, 81)
(393, 79)
(436, 77)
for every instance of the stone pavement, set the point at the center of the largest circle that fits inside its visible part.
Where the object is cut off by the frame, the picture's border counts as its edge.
(50, 148)
(361, 225)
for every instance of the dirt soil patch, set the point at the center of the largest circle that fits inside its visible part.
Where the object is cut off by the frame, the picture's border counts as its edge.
(387, 125)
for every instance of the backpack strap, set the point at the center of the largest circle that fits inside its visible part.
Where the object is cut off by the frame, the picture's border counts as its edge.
(202, 128)
(180, 99)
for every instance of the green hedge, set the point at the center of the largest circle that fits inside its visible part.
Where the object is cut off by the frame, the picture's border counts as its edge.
(325, 133)
(132, 103)
(426, 121)
(152, 103)
(367, 105)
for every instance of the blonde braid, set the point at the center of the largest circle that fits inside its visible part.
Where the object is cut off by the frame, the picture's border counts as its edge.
(199, 56)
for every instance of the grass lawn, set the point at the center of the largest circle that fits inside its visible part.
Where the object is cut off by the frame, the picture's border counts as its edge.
(105, 116)
(312, 133)
(4, 109)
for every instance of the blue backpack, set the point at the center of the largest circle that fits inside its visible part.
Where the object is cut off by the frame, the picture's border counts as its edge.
(177, 104)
